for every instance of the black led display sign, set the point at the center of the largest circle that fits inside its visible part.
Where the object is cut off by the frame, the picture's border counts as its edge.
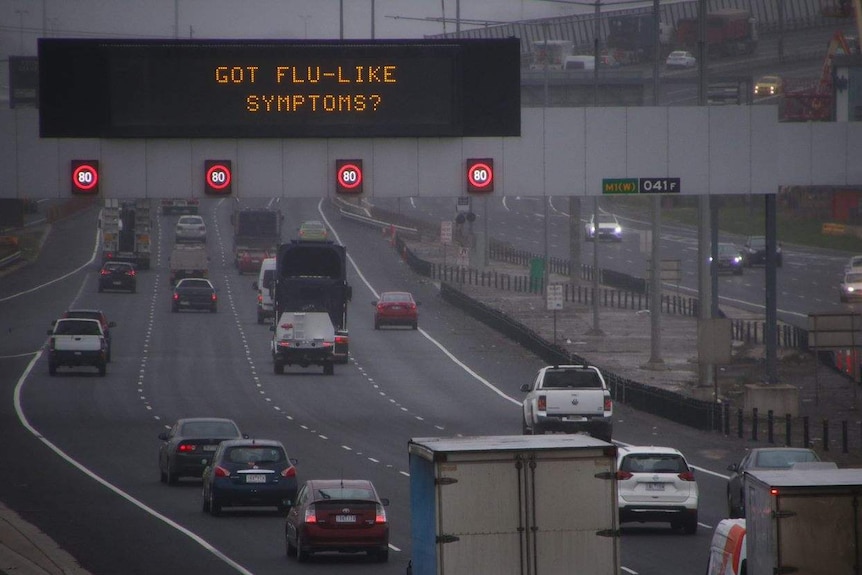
(279, 89)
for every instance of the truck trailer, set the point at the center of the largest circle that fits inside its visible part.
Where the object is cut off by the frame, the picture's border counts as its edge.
(729, 32)
(804, 521)
(514, 505)
(124, 229)
(255, 232)
(311, 276)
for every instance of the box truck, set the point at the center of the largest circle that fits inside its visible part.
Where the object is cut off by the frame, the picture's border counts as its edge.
(803, 520)
(513, 505)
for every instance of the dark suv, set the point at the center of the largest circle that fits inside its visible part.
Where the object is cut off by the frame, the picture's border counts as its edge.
(118, 276)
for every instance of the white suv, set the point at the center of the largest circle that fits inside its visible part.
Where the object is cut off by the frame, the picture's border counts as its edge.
(656, 484)
(191, 229)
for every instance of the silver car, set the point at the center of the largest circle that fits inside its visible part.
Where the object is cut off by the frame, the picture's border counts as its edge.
(851, 287)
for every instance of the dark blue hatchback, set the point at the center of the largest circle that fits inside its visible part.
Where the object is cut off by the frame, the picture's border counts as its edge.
(249, 472)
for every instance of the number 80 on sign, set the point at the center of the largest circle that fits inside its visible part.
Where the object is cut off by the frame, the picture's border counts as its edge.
(480, 175)
(217, 177)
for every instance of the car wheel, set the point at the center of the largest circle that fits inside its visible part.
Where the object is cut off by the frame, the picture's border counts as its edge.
(278, 368)
(213, 309)
(101, 289)
(415, 325)
(689, 526)
(288, 546)
(524, 429)
(103, 369)
(731, 508)
(381, 555)
(259, 317)
(376, 324)
(134, 289)
(163, 478)
(172, 477)
(214, 505)
(205, 502)
(328, 369)
(52, 369)
(302, 555)
(174, 309)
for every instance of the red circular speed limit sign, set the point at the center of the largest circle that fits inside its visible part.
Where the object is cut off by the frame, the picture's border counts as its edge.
(480, 175)
(218, 177)
(348, 176)
(85, 177)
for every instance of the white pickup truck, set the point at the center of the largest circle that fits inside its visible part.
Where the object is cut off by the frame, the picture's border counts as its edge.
(568, 399)
(75, 342)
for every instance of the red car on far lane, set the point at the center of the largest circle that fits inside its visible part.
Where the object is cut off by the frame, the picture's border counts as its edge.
(396, 308)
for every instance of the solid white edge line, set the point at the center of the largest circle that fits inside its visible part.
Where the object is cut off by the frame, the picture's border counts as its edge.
(19, 386)
(425, 334)
(26, 423)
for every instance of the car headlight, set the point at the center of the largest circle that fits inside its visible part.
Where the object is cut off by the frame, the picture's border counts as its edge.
(592, 228)
(737, 259)
(618, 230)
(849, 288)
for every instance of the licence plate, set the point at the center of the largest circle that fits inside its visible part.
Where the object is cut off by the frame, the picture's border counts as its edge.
(345, 518)
(255, 478)
(655, 486)
(395, 308)
(210, 447)
(117, 282)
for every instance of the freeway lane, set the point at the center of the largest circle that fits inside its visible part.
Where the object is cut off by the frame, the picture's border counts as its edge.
(807, 283)
(399, 385)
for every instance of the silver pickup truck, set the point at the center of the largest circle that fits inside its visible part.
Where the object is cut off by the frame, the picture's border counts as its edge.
(303, 339)
(568, 399)
(77, 342)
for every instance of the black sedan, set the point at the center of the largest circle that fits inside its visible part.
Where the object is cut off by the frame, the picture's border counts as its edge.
(754, 252)
(772, 458)
(187, 448)
(194, 293)
(249, 472)
(118, 276)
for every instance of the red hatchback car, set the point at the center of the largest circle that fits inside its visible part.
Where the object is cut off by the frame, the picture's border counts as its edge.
(396, 308)
(340, 515)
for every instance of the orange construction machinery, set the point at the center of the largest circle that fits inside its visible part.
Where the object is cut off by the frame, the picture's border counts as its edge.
(814, 102)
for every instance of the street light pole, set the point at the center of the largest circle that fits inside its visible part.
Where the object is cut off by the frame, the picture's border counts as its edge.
(20, 14)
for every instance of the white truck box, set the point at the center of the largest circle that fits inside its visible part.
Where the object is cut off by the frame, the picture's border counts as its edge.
(804, 521)
(514, 505)
(304, 339)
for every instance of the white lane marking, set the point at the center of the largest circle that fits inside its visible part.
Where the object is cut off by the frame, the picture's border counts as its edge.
(62, 277)
(424, 333)
(86, 471)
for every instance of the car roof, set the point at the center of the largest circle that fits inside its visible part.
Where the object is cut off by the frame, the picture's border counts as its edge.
(83, 310)
(346, 483)
(194, 419)
(647, 449)
(252, 443)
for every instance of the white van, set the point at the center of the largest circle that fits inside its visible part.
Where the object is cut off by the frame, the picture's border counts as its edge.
(265, 285)
(727, 551)
(579, 63)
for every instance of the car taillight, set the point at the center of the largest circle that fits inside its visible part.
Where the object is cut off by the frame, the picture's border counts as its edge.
(259, 298)
(310, 514)
(340, 339)
(542, 404)
(687, 476)
(105, 273)
(109, 256)
(380, 516)
(609, 404)
(214, 297)
(221, 472)
(623, 475)
(289, 471)
(186, 448)
(130, 273)
(176, 296)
